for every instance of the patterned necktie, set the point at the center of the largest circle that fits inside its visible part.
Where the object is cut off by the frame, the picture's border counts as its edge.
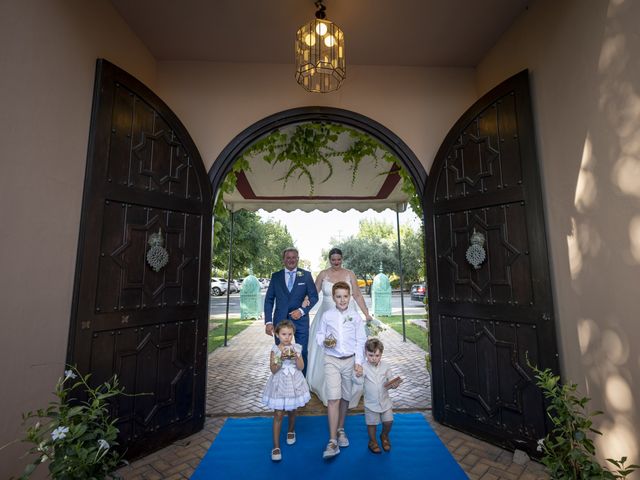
(290, 281)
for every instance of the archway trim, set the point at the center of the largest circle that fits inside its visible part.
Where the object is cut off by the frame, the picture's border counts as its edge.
(244, 139)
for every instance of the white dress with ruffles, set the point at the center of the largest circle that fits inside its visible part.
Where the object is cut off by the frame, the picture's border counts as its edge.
(286, 389)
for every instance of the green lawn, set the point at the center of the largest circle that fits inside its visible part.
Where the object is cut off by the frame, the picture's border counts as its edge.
(417, 335)
(216, 336)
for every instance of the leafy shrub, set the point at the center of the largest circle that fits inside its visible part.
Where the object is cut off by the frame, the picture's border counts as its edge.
(568, 451)
(74, 438)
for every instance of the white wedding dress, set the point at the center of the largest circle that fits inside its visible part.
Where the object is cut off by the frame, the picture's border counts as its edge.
(315, 356)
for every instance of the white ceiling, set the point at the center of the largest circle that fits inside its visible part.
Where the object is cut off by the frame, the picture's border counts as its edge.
(441, 33)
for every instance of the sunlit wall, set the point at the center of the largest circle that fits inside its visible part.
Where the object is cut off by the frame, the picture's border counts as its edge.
(585, 71)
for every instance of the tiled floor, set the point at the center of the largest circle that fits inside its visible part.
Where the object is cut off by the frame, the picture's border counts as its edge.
(237, 374)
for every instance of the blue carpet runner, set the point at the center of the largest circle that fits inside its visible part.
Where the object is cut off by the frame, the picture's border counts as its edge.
(242, 450)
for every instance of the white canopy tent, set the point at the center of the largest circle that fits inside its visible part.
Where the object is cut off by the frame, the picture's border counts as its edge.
(376, 187)
(376, 184)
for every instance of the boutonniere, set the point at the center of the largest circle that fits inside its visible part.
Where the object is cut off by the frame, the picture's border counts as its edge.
(348, 318)
(299, 274)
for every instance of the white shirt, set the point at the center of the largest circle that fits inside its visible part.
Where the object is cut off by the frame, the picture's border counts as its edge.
(347, 328)
(287, 273)
(376, 397)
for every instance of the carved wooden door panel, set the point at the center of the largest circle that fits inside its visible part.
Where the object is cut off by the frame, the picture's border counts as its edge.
(142, 312)
(486, 320)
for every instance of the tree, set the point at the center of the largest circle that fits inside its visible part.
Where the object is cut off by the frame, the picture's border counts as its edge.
(274, 239)
(412, 245)
(365, 256)
(377, 229)
(376, 245)
(245, 238)
(257, 244)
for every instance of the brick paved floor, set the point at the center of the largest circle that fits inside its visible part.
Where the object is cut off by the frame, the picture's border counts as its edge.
(237, 374)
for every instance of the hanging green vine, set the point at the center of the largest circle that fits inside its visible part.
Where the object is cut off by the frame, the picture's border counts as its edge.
(314, 143)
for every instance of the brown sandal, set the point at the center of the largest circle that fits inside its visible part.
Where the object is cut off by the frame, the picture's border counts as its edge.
(386, 444)
(374, 447)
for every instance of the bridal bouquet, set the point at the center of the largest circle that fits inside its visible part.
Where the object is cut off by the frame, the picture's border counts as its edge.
(374, 327)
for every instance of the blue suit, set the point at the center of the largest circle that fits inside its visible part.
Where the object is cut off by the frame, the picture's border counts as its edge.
(286, 302)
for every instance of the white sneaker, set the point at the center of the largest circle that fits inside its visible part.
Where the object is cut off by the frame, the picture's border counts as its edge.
(332, 450)
(291, 438)
(343, 441)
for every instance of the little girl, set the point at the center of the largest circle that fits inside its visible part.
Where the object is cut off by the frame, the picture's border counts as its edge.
(286, 389)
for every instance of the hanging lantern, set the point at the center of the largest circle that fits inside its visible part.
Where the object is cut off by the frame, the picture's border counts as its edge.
(320, 60)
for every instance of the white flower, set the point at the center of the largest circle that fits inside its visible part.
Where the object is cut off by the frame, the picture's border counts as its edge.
(540, 444)
(69, 374)
(299, 273)
(102, 443)
(59, 433)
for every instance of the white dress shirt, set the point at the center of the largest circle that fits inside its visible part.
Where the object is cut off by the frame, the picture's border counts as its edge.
(286, 276)
(347, 328)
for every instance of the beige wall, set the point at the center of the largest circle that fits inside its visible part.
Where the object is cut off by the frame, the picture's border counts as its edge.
(218, 101)
(585, 71)
(47, 59)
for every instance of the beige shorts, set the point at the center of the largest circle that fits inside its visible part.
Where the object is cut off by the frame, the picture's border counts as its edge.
(374, 418)
(337, 376)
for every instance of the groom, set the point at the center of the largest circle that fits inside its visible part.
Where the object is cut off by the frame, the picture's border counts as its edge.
(287, 289)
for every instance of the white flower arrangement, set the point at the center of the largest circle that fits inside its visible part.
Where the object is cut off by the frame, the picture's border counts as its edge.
(299, 274)
(374, 327)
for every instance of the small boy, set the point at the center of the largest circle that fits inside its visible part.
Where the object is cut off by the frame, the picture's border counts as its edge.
(341, 333)
(377, 379)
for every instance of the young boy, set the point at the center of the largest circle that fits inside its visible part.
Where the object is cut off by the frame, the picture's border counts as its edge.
(377, 379)
(341, 333)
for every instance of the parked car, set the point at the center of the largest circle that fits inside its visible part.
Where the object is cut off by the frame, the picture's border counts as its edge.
(264, 282)
(218, 286)
(234, 286)
(418, 292)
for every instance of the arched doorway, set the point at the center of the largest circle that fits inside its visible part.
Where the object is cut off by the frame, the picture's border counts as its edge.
(267, 185)
(148, 325)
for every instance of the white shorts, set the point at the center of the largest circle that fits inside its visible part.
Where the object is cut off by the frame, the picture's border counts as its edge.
(374, 418)
(338, 373)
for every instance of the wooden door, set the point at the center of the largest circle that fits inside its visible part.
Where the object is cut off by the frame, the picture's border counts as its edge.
(144, 176)
(486, 321)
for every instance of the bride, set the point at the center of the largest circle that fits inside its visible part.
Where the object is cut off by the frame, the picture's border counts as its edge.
(324, 282)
